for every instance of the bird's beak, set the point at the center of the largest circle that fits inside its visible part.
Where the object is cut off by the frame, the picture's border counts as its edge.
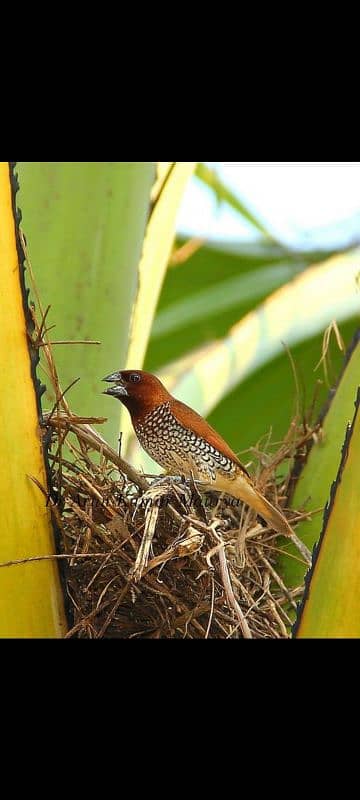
(119, 389)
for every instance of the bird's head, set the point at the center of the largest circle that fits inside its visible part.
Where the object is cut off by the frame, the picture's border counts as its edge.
(139, 391)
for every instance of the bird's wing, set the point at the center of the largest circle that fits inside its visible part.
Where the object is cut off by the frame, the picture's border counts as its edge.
(190, 419)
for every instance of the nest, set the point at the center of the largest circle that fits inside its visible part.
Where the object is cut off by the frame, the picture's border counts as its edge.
(160, 560)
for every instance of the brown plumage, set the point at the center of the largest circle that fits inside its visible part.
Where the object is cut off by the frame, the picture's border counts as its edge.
(182, 442)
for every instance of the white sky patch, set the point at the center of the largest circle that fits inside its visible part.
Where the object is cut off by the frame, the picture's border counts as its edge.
(302, 202)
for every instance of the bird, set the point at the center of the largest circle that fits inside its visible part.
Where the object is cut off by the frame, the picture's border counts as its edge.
(183, 443)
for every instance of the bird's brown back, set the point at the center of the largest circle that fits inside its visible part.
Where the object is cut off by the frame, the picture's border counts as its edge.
(195, 423)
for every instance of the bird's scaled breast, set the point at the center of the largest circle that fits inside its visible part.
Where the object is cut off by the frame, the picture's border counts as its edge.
(178, 449)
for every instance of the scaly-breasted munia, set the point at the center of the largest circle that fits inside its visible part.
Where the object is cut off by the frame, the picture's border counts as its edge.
(178, 439)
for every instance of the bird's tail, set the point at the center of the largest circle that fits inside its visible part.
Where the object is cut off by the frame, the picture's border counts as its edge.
(243, 489)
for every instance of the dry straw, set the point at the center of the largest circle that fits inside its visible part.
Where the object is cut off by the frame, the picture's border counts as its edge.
(161, 562)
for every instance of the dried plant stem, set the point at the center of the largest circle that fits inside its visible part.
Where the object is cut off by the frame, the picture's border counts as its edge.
(232, 601)
(277, 579)
(301, 547)
(142, 558)
(62, 557)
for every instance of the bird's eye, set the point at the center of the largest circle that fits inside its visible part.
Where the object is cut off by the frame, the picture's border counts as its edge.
(135, 378)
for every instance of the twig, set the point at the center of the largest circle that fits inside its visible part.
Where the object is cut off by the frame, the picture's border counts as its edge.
(34, 559)
(233, 603)
(142, 558)
(78, 341)
(278, 580)
(301, 547)
(212, 607)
